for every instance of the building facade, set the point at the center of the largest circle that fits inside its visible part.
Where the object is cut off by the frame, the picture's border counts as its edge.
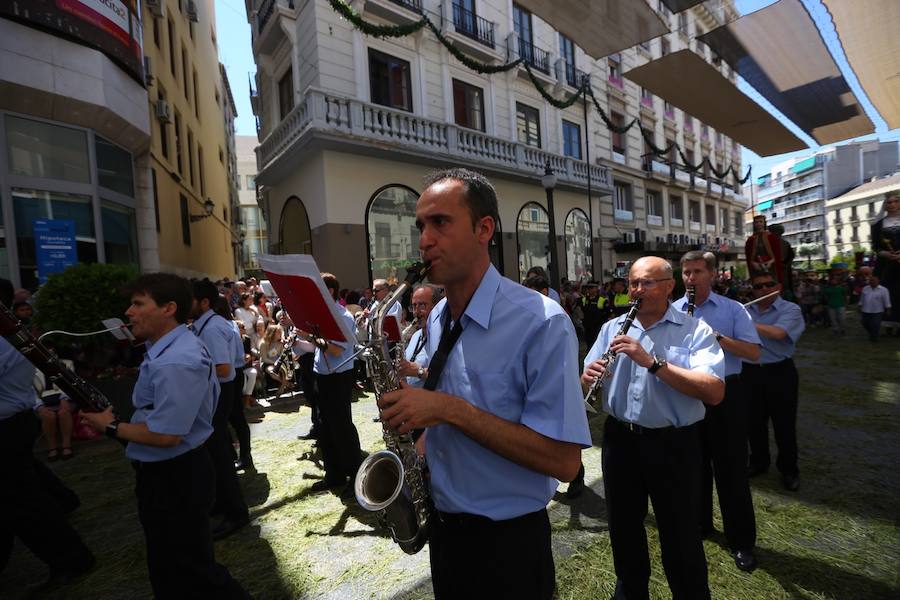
(252, 224)
(350, 124)
(796, 194)
(850, 216)
(188, 222)
(73, 119)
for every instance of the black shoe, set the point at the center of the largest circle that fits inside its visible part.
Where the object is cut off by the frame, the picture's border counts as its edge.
(228, 526)
(754, 470)
(312, 434)
(575, 489)
(745, 560)
(790, 482)
(70, 574)
(323, 485)
(245, 464)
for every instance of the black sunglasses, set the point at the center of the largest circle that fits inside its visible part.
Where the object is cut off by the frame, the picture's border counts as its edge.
(768, 284)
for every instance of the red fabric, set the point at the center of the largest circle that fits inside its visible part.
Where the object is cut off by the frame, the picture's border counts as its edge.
(308, 309)
(750, 251)
(82, 431)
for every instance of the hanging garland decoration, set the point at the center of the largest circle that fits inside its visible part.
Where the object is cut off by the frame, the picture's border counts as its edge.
(394, 31)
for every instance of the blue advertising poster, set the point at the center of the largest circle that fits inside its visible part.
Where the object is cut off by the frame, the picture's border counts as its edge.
(56, 249)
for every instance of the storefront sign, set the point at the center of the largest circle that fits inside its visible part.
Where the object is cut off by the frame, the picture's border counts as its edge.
(55, 245)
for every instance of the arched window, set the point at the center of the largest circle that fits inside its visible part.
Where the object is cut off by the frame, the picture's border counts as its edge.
(532, 236)
(578, 246)
(392, 232)
(294, 235)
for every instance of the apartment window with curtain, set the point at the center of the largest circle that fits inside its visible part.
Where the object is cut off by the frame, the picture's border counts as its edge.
(615, 69)
(390, 81)
(178, 162)
(571, 139)
(623, 203)
(618, 139)
(567, 52)
(468, 105)
(528, 125)
(676, 210)
(171, 46)
(286, 93)
(654, 208)
(185, 221)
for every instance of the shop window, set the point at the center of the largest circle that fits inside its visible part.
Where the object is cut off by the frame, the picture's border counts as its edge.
(578, 246)
(38, 149)
(119, 233)
(392, 232)
(114, 167)
(533, 238)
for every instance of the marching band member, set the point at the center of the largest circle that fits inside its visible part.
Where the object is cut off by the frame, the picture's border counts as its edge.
(175, 398)
(670, 367)
(723, 431)
(415, 365)
(506, 419)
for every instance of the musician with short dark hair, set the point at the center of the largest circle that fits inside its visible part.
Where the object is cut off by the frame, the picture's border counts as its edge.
(217, 334)
(723, 431)
(668, 367)
(505, 419)
(175, 398)
(27, 510)
(774, 382)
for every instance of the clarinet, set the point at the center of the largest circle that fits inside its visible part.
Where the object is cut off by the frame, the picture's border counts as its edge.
(692, 297)
(610, 356)
(87, 397)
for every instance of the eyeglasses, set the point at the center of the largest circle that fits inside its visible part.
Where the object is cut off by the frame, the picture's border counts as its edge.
(768, 284)
(419, 304)
(648, 284)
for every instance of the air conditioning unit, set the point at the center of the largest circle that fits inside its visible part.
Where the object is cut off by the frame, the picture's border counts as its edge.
(192, 11)
(681, 239)
(163, 111)
(148, 71)
(670, 238)
(157, 8)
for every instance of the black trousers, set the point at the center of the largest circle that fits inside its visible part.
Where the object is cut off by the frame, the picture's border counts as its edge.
(174, 498)
(663, 465)
(29, 508)
(236, 416)
(475, 557)
(723, 436)
(229, 498)
(338, 438)
(774, 388)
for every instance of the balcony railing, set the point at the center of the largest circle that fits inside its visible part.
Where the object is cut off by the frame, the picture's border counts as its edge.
(654, 220)
(676, 222)
(266, 8)
(472, 26)
(413, 5)
(388, 127)
(534, 56)
(574, 76)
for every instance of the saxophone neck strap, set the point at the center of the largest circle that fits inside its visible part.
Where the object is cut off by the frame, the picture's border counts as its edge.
(448, 340)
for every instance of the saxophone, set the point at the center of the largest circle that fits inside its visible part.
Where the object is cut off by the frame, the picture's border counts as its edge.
(391, 482)
(610, 357)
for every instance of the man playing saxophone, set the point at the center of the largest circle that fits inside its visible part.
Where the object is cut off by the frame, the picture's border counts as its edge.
(506, 419)
(415, 364)
(669, 365)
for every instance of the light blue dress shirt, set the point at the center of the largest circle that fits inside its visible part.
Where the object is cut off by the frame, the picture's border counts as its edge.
(237, 346)
(216, 334)
(729, 318)
(326, 364)
(176, 393)
(635, 396)
(517, 358)
(16, 381)
(785, 315)
(420, 359)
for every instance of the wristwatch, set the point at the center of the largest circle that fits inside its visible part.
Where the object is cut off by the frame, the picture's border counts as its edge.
(421, 373)
(718, 335)
(112, 429)
(658, 363)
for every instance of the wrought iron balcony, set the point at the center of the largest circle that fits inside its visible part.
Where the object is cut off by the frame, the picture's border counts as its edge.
(534, 56)
(413, 5)
(472, 26)
(574, 76)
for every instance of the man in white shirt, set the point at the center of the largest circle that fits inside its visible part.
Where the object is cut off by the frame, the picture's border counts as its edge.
(874, 303)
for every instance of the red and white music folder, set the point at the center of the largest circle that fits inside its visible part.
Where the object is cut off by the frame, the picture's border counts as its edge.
(303, 294)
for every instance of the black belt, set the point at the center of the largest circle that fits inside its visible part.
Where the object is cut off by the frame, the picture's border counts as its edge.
(158, 465)
(470, 520)
(780, 363)
(641, 430)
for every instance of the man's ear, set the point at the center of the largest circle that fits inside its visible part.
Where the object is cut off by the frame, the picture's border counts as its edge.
(485, 229)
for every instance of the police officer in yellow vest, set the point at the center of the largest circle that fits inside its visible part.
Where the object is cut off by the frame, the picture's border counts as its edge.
(619, 298)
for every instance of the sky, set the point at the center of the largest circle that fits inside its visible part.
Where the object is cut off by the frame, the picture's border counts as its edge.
(235, 52)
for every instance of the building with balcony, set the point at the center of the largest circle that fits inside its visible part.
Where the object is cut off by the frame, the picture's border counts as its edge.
(251, 224)
(796, 194)
(850, 216)
(73, 119)
(350, 124)
(188, 224)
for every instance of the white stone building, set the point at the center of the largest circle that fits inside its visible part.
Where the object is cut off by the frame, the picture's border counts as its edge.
(252, 224)
(850, 216)
(350, 124)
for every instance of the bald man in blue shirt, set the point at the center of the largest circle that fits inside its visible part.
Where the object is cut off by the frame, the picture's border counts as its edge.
(175, 398)
(668, 367)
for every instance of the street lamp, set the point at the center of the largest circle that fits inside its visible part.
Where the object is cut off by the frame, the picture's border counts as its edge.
(208, 208)
(549, 182)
